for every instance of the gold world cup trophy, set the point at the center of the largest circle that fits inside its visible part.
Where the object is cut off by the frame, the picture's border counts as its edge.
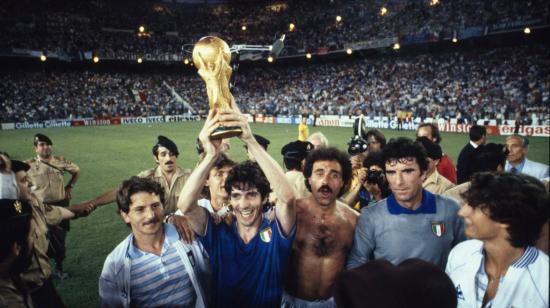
(211, 56)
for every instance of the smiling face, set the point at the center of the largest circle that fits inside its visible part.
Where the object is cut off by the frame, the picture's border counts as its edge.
(326, 181)
(247, 205)
(478, 225)
(405, 179)
(145, 214)
(166, 160)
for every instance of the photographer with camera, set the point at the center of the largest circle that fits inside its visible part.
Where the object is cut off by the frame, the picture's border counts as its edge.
(361, 145)
(372, 185)
(376, 183)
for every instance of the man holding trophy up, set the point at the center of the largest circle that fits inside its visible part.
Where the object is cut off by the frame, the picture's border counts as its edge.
(249, 257)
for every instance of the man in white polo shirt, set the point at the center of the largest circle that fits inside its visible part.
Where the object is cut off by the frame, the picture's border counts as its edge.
(152, 266)
(500, 267)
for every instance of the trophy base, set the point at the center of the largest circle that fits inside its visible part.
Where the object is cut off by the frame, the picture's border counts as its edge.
(226, 132)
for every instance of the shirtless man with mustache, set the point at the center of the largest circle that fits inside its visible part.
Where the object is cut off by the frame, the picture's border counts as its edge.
(325, 231)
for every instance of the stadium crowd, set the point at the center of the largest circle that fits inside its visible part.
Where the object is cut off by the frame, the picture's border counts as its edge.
(462, 85)
(110, 28)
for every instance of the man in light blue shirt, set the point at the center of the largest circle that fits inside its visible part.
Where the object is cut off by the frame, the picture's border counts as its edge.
(152, 266)
(517, 162)
(411, 222)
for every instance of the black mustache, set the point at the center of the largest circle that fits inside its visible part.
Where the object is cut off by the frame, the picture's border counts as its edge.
(325, 187)
(152, 221)
(169, 163)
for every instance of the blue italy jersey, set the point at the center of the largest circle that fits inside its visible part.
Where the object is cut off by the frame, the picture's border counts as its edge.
(247, 275)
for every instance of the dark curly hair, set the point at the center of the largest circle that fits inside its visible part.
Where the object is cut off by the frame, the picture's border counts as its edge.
(133, 186)
(329, 153)
(402, 149)
(246, 175)
(518, 200)
(374, 159)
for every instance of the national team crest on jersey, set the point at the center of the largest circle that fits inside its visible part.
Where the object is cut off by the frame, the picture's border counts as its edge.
(265, 235)
(438, 228)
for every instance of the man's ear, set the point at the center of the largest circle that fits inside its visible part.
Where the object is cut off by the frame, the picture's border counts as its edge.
(156, 159)
(125, 217)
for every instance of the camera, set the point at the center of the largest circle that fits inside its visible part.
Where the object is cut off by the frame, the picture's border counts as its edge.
(357, 145)
(358, 142)
(375, 177)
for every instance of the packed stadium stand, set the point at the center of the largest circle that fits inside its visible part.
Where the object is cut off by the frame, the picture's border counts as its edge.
(497, 82)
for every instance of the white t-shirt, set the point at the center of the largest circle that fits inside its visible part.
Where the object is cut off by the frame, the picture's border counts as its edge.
(8, 186)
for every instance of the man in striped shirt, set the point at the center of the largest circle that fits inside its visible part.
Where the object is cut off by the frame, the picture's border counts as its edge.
(152, 266)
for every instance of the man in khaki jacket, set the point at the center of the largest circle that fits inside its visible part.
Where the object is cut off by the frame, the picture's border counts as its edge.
(47, 174)
(167, 174)
(37, 277)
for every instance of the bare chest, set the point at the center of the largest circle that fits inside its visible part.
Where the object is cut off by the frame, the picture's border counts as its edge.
(323, 235)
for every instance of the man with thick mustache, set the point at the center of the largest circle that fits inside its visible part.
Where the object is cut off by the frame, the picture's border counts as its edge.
(167, 174)
(325, 231)
(411, 222)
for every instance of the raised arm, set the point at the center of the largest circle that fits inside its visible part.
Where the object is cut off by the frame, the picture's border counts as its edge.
(285, 210)
(190, 192)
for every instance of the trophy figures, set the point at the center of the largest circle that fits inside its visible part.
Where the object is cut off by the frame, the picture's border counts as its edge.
(211, 56)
